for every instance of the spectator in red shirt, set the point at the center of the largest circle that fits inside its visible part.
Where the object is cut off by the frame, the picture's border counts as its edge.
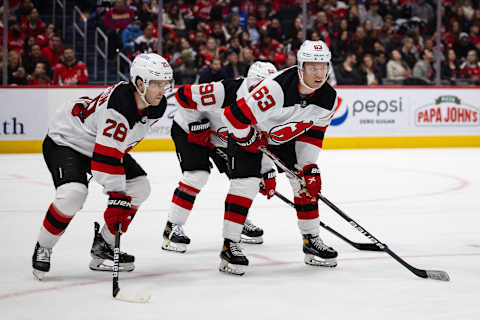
(33, 25)
(268, 48)
(35, 57)
(202, 9)
(115, 20)
(470, 69)
(40, 75)
(70, 71)
(54, 51)
(16, 39)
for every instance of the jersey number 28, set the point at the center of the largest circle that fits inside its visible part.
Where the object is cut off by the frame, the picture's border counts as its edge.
(120, 132)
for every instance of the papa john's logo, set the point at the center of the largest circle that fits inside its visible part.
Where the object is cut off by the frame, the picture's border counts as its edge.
(447, 111)
(288, 131)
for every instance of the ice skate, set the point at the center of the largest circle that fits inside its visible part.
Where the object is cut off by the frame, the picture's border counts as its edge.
(251, 233)
(233, 260)
(174, 239)
(102, 255)
(318, 253)
(41, 261)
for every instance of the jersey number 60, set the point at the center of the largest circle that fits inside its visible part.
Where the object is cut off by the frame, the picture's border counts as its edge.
(265, 100)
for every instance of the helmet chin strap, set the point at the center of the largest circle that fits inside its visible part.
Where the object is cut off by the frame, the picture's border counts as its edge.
(142, 94)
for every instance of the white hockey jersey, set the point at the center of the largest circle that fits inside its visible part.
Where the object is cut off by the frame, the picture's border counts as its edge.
(276, 108)
(207, 100)
(105, 128)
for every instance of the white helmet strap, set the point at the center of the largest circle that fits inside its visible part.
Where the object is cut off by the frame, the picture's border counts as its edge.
(142, 94)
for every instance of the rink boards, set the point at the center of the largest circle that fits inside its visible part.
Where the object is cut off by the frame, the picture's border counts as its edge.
(367, 117)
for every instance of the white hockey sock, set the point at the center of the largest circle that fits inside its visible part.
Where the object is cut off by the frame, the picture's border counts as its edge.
(108, 236)
(47, 239)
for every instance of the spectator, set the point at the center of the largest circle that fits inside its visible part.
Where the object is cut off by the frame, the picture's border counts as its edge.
(386, 32)
(252, 29)
(347, 73)
(380, 65)
(368, 69)
(407, 52)
(470, 69)
(450, 68)
(232, 27)
(129, 35)
(397, 69)
(219, 34)
(145, 43)
(186, 72)
(246, 55)
(16, 72)
(35, 57)
(211, 49)
(474, 36)
(234, 68)
(202, 9)
(270, 49)
(423, 68)
(245, 40)
(40, 75)
(54, 51)
(33, 25)
(423, 10)
(16, 39)
(322, 26)
(115, 20)
(291, 60)
(373, 15)
(70, 71)
(214, 72)
(274, 30)
(44, 39)
(174, 18)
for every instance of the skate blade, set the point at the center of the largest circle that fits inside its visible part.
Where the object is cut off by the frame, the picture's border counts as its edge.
(133, 296)
(236, 269)
(251, 240)
(319, 262)
(173, 246)
(102, 265)
(39, 275)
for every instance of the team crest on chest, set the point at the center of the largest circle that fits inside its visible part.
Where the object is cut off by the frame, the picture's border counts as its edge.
(288, 131)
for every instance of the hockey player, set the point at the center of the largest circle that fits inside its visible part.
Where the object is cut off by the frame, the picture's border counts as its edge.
(289, 112)
(200, 135)
(94, 136)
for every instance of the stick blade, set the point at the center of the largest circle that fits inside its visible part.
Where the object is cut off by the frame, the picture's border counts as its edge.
(438, 275)
(133, 296)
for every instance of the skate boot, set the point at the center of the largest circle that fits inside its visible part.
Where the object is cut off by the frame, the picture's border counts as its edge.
(174, 239)
(251, 233)
(232, 258)
(102, 255)
(318, 253)
(41, 261)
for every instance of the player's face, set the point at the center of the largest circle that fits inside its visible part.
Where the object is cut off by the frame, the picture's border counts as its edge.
(315, 73)
(156, 90)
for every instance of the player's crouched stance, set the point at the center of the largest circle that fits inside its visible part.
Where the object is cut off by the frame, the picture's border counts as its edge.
(288, 112)
(94, 136)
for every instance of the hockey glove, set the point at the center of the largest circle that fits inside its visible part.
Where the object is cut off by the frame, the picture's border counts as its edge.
(313, 181)
(199, 132)
(253, 141)
(268, 184)
(119, 209)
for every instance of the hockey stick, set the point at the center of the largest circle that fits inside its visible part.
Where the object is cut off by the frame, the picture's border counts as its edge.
(359, 245)
(431, 274)
(128, 296)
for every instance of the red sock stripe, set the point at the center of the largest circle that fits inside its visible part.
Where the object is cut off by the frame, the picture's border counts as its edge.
(306, 209)
(239, 200)
(183, 200)
(186, 188)
(55, 222)
(235, 217)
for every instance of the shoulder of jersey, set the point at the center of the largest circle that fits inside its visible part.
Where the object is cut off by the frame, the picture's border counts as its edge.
(324, 97)
(122, 100)
(231, 87)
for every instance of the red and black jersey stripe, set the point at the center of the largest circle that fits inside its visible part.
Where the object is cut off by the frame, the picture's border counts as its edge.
(184, 97)
(306, 209)
(55, 222)
(239, 114)
(107, 159)
(236, 208)
(313, 136)
(184, 196)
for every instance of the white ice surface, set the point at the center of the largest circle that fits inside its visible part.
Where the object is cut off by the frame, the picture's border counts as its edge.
(423, 203)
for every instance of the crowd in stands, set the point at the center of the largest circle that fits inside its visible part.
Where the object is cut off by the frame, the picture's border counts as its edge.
(373, 42)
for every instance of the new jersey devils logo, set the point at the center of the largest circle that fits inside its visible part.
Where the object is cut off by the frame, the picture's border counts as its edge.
(288, 131)
(222, 133)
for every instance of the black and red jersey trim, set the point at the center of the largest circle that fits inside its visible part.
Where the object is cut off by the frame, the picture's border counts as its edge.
(184, 97)
(107, 159)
